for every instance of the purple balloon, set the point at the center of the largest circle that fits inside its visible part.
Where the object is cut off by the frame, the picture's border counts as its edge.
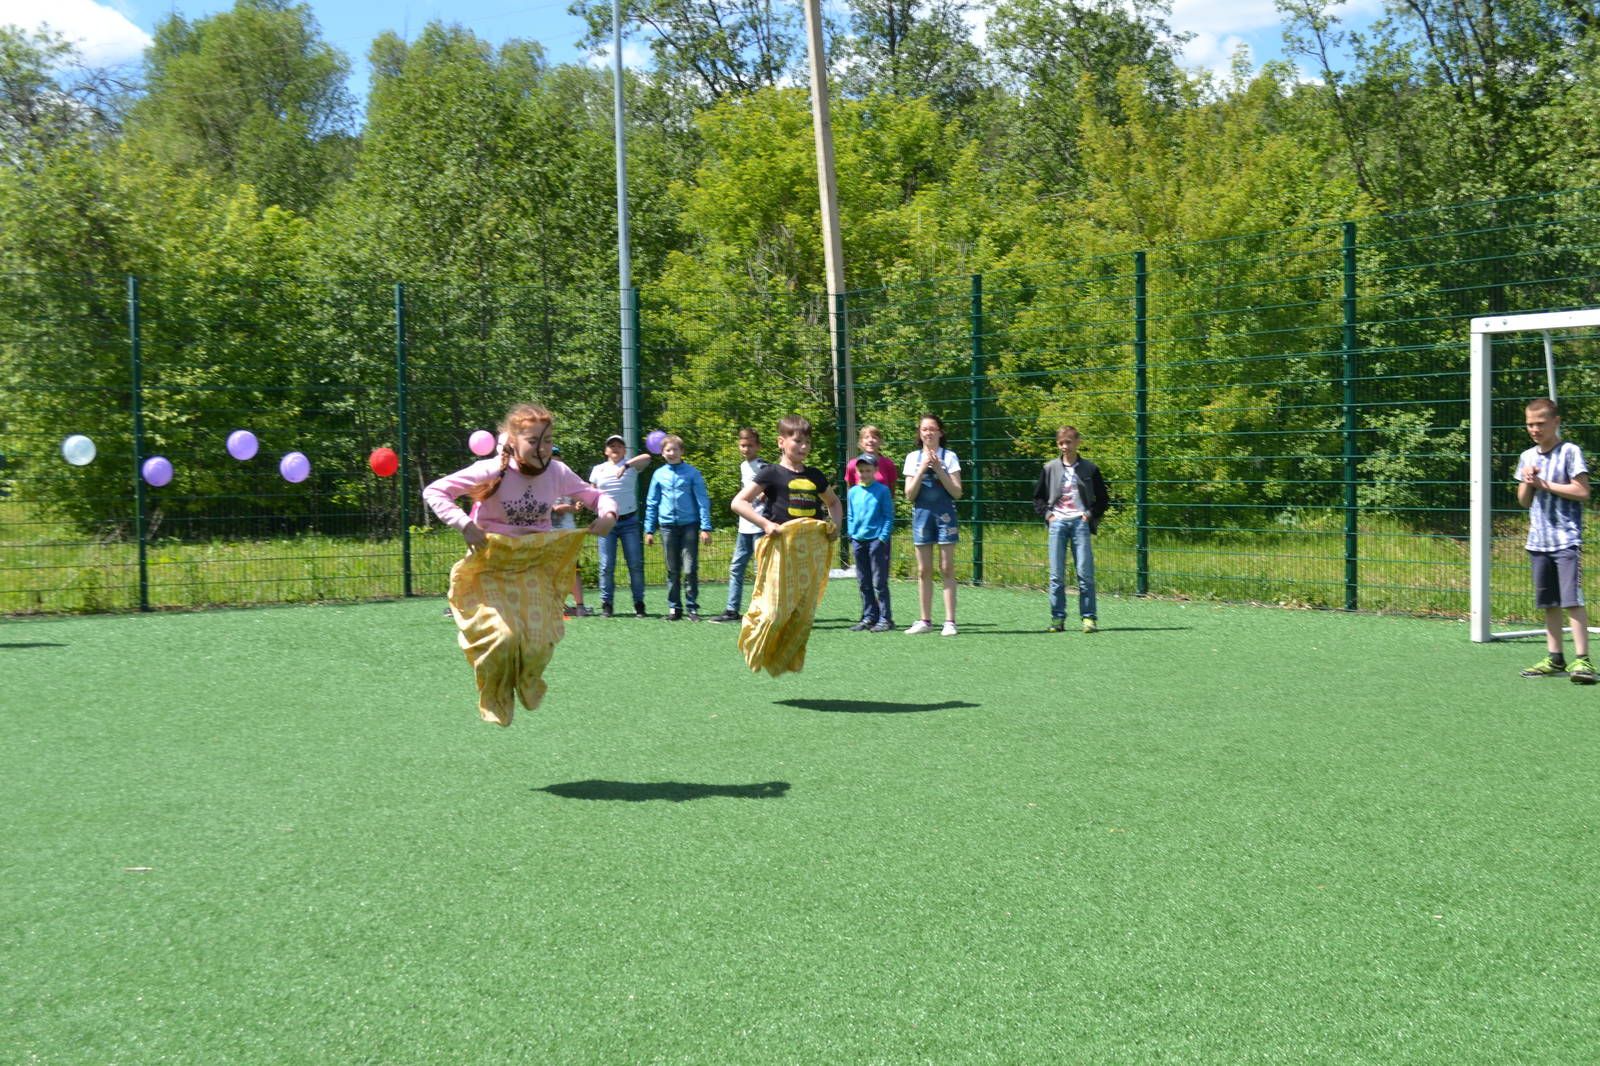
(653, 442)
(294, 467)
(157, 471)
(242, 444)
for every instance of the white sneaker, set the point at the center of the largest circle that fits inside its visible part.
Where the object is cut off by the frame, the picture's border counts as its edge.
(949, 630)
(919, 626)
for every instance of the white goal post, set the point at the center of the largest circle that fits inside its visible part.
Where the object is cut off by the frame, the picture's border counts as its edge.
(1482, 477)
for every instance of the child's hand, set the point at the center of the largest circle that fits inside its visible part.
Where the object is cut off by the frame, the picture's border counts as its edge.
(770, 526)
(649, 539)
(602, 525)
(705, 537)
(475, 536)
(1530, 474)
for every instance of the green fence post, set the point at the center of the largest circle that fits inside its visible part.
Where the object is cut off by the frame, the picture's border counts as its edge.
(1351, 527)
(401, 403)
(630, 349)
(136, 402)
(1141, 431)
(974, 482)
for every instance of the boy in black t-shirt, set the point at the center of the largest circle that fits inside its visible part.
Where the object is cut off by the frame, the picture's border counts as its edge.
(792, 489)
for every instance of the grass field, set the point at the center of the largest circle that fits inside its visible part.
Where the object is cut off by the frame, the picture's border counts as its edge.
(1206, 834)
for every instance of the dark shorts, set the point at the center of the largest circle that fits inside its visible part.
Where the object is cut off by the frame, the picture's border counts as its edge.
(934, 527)
(1557, 577)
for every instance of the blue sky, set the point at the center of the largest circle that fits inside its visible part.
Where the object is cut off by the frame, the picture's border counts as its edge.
(114, 32)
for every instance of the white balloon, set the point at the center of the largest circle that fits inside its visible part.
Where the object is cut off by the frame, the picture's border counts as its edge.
(78, 450)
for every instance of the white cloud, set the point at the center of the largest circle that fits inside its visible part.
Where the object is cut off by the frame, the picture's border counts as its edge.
(977, 19)
(103, 35)
(635, 56)
(1215, 52)
(1219, 18)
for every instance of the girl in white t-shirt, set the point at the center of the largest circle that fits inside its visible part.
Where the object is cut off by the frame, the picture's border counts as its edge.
(933, 485)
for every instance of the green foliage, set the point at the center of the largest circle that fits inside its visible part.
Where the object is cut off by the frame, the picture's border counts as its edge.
(251, 96)
(908, 49)
(482, 181)
(711, 50)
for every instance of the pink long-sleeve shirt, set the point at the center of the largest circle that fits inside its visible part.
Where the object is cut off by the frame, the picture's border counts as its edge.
(522, 503)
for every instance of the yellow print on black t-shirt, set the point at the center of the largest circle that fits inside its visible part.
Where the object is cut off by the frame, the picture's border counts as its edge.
(804, 498)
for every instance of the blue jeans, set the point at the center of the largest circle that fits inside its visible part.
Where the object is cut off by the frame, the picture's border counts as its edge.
(872, 575)
(744, 546)
(628, 532)
(682, 546)
(1077, 531)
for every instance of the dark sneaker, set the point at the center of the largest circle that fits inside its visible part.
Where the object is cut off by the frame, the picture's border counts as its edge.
(883, 626)
(726, 616)
(605, 609)
(448, 613)
(1057, 625)
(1547, 667)
(638, 611)
(568, 611)
(694, 616)
(862, 626)
(582, 611)
(674, 615)
(1582, 671)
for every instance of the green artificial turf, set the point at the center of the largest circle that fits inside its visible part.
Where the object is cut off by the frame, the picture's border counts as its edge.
(1204, 834)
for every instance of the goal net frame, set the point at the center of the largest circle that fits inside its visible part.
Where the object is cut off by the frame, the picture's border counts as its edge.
(1482, 478)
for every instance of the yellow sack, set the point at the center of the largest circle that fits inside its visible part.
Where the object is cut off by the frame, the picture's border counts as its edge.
(791, 576)
(507, 598)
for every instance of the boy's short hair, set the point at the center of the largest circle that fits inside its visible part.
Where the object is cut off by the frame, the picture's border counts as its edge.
(1067, 429)
(1546, 405)
(794, 426)
(863, 463)
(748, 431)
(672, 438)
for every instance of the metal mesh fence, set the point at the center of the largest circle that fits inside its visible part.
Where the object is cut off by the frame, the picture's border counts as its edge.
(1282, 416)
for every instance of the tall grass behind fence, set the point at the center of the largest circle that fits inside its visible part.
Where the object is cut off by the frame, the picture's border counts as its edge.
(1282, 415)
(470, 352)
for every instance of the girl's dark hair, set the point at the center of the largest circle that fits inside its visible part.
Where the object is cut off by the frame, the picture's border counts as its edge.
(516, 420)
(936, 421)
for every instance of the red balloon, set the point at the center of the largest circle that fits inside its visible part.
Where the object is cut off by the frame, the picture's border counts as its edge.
(384, 462)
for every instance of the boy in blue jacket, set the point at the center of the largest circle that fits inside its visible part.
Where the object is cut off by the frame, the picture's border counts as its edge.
(871, 510)
(677, 504)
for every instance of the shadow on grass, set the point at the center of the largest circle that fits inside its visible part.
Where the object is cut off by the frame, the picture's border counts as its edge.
(31, 644)
(672, 791)
(1043, 632)
(872, 706)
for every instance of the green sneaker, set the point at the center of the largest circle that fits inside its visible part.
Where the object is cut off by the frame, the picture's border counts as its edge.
(1548, 667)
(1582, 671)
(1089, 626)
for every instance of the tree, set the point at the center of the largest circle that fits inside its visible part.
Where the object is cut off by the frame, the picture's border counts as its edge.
(1046, 48)
(905, 48)
(719, 47)
(252, 96)
(48, 96)
(1445, 98)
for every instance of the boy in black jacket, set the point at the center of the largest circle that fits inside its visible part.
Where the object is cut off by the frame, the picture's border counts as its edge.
(1071, 497)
